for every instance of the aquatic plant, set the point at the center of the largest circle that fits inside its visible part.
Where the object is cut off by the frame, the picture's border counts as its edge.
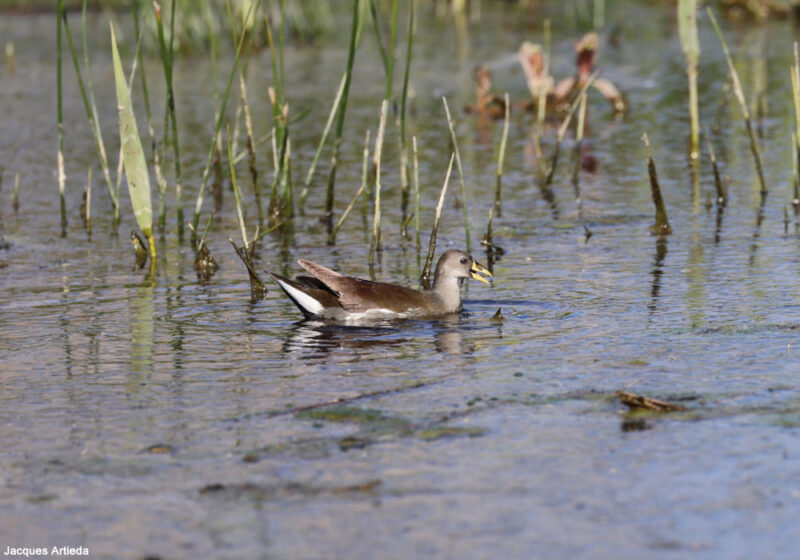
(661, 227)
(87, 95)
(501, 155)
(60, 114)
(357, 21)
(562, 130)
(133, 158)
(167, 54)
(425, 279)
(416, 192)
(687, 29)
(795, 78)
(361, 189)
(246, 253)
(214, 138)
(739, 94)
(375, 244)
(403, 101)
(464, 207)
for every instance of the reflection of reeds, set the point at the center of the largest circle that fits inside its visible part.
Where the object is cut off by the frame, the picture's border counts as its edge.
(687, 28)
(426, 271)
(661, 227)
(721, 195)
(739, 94)
(86, 204)
(464, 206)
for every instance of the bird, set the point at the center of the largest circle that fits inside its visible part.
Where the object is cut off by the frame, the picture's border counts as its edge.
(330, 295)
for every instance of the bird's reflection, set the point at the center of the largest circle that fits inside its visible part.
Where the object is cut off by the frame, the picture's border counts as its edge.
(315, 339)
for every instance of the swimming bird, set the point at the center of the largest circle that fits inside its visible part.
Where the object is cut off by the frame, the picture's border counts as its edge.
(327, 294)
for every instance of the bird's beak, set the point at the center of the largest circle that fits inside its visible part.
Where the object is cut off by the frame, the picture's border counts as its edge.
(479, 268)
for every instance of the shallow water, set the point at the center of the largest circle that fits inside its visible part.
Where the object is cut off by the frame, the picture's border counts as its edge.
(168, 417)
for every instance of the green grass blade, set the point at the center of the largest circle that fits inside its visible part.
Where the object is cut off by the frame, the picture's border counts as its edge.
(132, 153)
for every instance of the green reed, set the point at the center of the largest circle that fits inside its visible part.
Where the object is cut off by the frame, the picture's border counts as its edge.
(739, 94)
(460, 174)
(425, 279)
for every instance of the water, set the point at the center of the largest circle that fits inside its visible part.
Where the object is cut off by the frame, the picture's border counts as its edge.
(168, 417)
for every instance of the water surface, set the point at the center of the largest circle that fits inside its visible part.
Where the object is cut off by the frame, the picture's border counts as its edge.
(168, 417)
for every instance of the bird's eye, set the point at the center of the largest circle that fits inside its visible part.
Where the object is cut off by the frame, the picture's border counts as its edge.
(463, 260)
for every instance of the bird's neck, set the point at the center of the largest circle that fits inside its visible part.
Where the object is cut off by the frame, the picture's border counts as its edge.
(448, 290)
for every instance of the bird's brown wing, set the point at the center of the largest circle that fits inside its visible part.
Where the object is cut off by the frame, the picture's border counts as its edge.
(357, 295)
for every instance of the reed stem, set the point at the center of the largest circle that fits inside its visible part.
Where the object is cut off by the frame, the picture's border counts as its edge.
(426, 271)
(161, 181)
(403, 100)
(578, 145)
(354, 34)
(562, 131)
(375, 245)
(235, 186)
(364, 172)
(334, 109)
(460, 174)
(687, 28)
(60, 110)
(795, 77)
(501, 155)
(661, 227)
(218, 125)
(739, 94)
(10, 58)
(416, 192)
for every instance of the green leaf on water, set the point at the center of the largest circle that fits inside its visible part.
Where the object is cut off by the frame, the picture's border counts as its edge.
(132, 151)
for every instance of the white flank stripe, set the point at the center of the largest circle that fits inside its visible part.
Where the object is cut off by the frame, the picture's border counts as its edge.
(304, 300)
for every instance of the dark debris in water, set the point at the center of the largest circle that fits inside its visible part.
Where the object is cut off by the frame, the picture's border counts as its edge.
(204, 264)
(160, 449)
(140, 249)
(261, 492)
(639, 402)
